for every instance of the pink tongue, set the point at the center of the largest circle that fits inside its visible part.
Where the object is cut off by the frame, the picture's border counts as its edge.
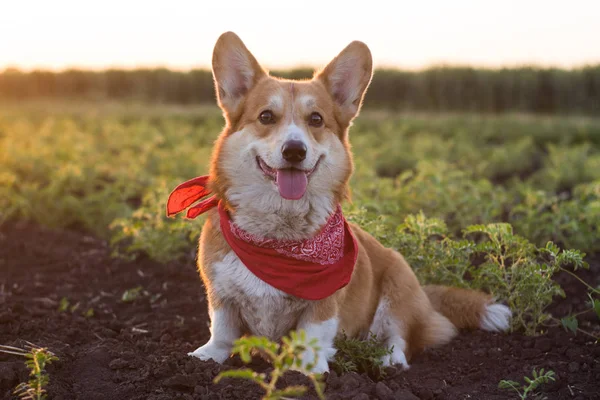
(291, 183)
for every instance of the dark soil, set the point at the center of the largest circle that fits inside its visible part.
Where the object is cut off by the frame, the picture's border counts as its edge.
(137, 349)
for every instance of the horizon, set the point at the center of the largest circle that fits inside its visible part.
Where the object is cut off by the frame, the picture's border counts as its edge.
(138, 35)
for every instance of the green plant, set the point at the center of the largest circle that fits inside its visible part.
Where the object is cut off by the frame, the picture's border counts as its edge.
(284, 357)
(523, 390)
(570, 322)
(516, 271)
(572, 221)
(362, 356)
(63, 306)
(420, 182)
(489, 257)
(132, 294)
(37, 359)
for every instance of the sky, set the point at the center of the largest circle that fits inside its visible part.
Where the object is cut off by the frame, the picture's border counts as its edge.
(177, 34)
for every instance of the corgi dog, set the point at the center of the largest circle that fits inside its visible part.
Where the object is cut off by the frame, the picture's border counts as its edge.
(276, 253)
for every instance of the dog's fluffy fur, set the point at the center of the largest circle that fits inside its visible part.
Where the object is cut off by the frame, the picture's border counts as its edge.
(383, 296)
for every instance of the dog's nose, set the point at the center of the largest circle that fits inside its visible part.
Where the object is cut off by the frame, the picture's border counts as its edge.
(294, 151)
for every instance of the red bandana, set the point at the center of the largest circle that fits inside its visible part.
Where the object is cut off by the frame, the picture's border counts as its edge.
(311, 269)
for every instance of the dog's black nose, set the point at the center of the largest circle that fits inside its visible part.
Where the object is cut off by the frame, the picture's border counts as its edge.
(294, 151)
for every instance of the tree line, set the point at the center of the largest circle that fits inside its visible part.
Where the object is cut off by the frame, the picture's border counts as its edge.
(525, 89)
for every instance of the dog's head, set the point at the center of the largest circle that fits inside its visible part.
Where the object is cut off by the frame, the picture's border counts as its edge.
(285, 145)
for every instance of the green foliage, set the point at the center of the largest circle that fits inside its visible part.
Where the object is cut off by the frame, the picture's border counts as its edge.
(132, 294)
(37, 359)
(516, 271)
(524, 390)
(421, 183)
(89, 313)
(284, 357)
(595, 303)
(570, 323)
(362, 356)
(489, 257)
(63, 305)
(148, 231)
(572, 221)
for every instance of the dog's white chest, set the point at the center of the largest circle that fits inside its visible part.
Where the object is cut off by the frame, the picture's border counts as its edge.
(267, 311)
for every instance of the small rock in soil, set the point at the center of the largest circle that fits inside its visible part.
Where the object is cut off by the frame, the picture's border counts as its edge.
(424, 393)
(350, 381)
(180, 382)
(5, 318)
(544, 344)
(333, 382)
(404, 394)
(200, 390)
(118, 363)
(573, 366)
(8, 375)
(166, 338)
(573, 353)
(529, 353)
(383, 392)
(361, 396)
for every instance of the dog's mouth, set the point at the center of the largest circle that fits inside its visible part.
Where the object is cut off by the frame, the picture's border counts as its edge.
(291, 182)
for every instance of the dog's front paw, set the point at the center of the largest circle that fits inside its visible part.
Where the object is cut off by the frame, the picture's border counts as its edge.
(396, 358)
(211, 351)
(320, 366)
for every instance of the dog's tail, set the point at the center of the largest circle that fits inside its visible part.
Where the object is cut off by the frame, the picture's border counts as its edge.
(469, 309)
(455, 309)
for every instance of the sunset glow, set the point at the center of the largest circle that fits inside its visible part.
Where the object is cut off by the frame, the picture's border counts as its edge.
(180, 34)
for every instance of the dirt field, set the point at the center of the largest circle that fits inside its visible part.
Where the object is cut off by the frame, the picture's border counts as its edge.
(137, 349)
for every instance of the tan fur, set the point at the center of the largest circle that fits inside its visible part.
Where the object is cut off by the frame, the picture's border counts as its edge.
(464, 308)
(383, 290)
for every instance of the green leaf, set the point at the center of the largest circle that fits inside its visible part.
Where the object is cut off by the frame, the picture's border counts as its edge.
(131, 294)
(238, 373)
(290, 391)
(507, 384)
(63, 305)
(595, 303)
(570, 323)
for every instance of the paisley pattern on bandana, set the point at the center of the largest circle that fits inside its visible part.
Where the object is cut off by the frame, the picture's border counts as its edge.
(327, 247)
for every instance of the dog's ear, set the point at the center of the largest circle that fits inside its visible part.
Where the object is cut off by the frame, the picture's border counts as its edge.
(235, 71)
(347, 76)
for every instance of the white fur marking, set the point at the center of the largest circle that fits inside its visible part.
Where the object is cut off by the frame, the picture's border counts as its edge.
(389, 330)
(224, 329)
(496, 318)
(397, 356)
(266, 311)
(294, 132)
(325, 333)
(276, 102)
(307, 101)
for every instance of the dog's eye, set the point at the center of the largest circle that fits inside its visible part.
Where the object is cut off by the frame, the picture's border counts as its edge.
(315, 120)
(266, 117)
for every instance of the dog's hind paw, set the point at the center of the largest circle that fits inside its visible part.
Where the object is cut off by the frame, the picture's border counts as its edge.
(496, 318)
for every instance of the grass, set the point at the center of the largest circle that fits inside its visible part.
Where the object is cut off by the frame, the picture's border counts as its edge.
(470, 200)
(37, 359)
(530, 385)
